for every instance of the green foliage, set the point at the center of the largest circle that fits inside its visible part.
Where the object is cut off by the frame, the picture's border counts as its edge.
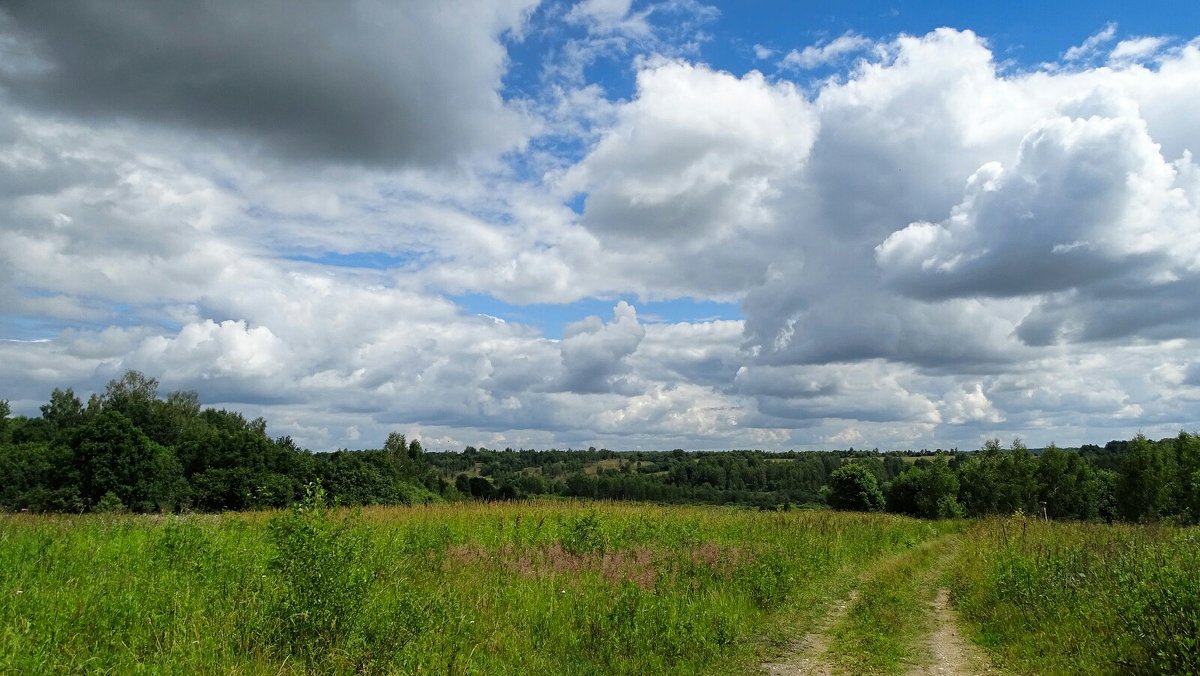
(929, 491)
(62, 413)
(1187, 462)
(323, 574)
(1146, 486)
(462, 588)
(1161, 607)
(110, 503)
(1083, 598)
(158, 454)
(113, 456)
(39, 477)
(583, 535)
(854, 487)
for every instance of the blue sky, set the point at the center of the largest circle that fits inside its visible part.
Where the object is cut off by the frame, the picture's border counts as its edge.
(638, 224)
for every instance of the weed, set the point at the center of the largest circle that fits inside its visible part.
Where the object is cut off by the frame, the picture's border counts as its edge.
(323, 572)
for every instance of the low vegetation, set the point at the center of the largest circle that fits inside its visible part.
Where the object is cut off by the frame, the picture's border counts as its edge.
(121, 566)
(1053, 598)
(546, 587)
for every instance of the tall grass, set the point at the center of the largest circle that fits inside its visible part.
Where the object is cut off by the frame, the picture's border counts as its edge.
(1053, 598)
(541, 587)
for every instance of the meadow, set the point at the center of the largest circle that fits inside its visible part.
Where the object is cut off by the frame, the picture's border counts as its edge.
(1069, 598)
(572, 587)
(542, 587)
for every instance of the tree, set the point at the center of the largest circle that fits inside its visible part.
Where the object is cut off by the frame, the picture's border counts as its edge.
(853, 487)
(396, 446)
(977, 484)
(112, 455)
(1146, 485)
(1187, 485)
(930, 491)
(132, 390)
(63, 412)
(1016, 486)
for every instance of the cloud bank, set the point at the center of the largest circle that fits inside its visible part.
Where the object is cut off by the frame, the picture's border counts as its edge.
(927, 248)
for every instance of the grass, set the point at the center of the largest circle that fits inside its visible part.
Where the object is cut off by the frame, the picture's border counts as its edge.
(563, 587)
(880, 632)
(539, 587)
(1051, 598)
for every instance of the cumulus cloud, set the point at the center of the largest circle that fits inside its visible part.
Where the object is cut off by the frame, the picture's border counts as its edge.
(360, 82)
(594, 353)
(695, 154)
(695, 163)
(969, 404)
(207, 349)
(927, 250)
(1091, 209)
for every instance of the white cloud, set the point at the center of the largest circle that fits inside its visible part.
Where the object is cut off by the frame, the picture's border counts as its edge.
(928, 251)
(969, 405)
(594, 353)
(210, 350)
(1091, 45)
(695, 162)
(822, 54)
(1136, 49)
(611, 16)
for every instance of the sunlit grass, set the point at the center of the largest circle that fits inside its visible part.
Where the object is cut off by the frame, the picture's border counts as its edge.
(538, 587)
(1052, 598)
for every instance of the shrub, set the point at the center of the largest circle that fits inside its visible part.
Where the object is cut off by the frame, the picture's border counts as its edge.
(324, 573)
(854, 487)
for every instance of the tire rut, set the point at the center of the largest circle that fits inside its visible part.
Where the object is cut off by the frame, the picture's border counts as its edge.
(808, 657)
(943, 650)
(948, 652)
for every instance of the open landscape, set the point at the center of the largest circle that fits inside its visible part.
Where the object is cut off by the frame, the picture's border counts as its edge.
(145, 533)
(582, 337)
(591, 587)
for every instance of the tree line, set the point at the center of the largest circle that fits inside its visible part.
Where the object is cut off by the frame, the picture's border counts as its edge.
(1132, 480)
(131, 449)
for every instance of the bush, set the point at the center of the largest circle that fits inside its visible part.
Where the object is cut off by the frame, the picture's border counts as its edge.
(853, 487)
(1163, 612)
(324, 573)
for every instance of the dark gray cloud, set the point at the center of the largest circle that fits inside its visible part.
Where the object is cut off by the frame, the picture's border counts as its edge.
(594, 354)
(362, 82)
(1116, 311)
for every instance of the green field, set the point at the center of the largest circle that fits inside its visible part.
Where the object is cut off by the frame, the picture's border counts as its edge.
(560, 587)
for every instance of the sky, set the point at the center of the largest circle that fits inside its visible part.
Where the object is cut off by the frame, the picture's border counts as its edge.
(633, 225)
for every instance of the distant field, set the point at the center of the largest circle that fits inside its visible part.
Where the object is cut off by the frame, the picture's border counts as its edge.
(540, 587)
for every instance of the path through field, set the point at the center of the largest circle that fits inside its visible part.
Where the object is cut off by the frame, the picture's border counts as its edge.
(809, 656)
(901, 591)
(948, 651)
